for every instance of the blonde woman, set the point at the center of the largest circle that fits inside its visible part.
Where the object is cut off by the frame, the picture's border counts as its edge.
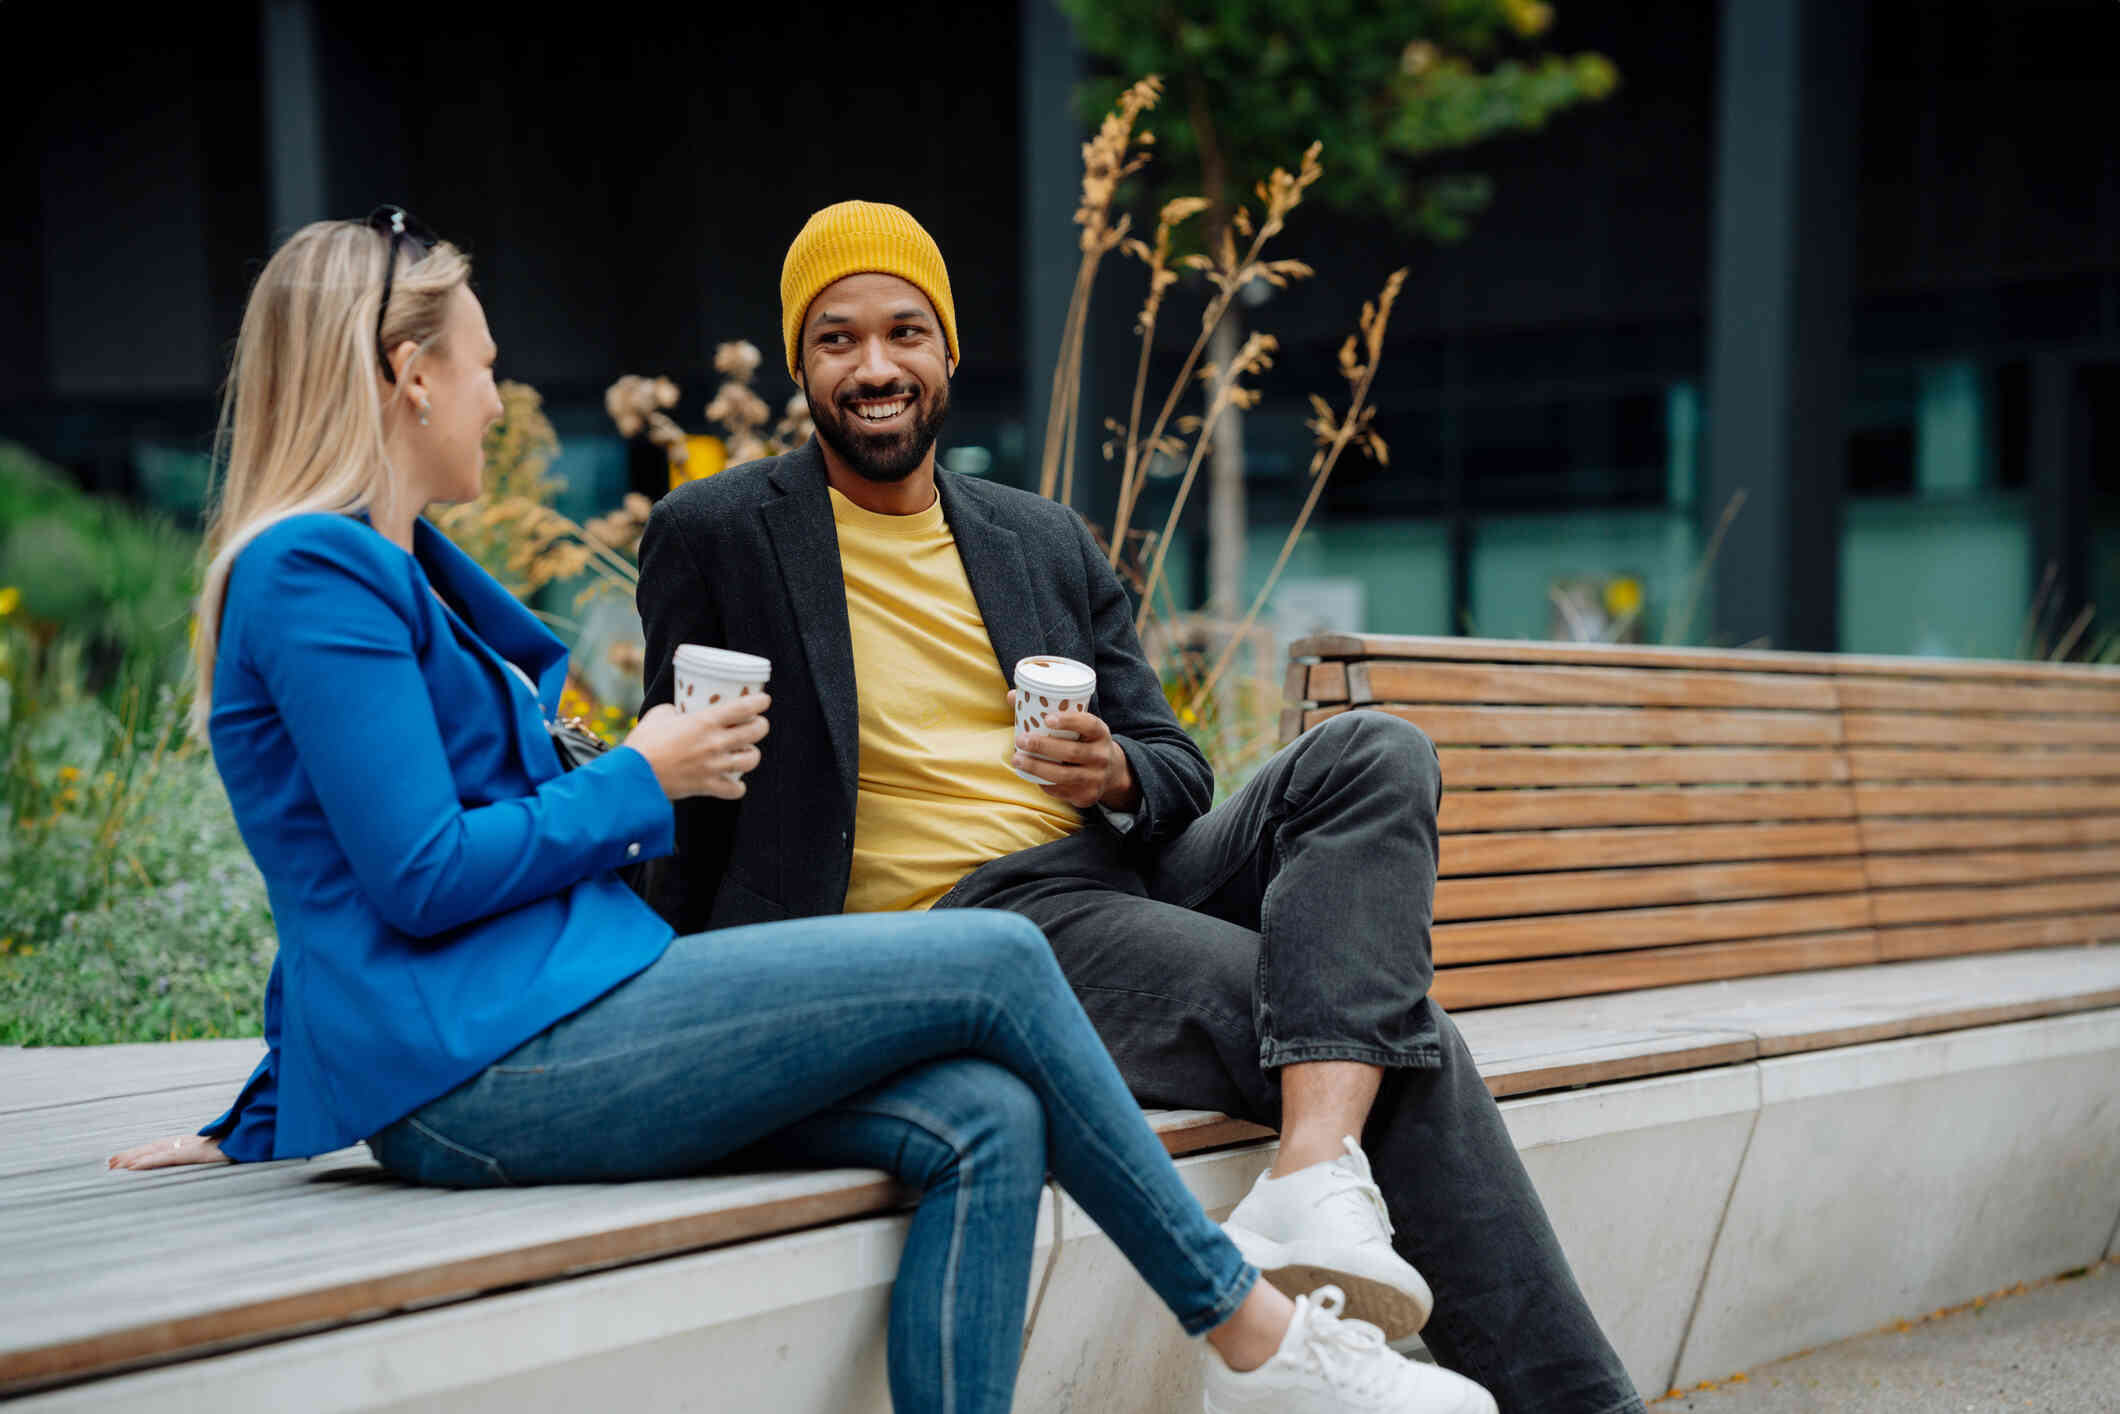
(463, 981)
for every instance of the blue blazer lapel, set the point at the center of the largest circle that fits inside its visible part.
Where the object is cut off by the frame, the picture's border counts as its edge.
(499, 627)
(993, 563)
(806, 545)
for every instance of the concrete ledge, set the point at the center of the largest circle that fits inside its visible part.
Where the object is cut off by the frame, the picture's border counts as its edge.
(1886, 1181)
(1717, 1219)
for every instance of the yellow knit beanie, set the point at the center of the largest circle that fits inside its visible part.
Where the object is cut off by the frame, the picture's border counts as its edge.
(859, 238)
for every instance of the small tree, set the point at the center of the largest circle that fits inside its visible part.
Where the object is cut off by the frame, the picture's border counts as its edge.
(1386, 85)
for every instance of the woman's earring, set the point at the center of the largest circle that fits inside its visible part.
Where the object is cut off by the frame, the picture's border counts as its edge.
(423, 414)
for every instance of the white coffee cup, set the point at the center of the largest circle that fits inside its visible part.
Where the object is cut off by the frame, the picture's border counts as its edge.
(706, 676)
(1046, 683)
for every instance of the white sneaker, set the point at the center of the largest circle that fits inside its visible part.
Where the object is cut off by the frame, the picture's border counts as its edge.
(1327, 1224)
(1327, 1365)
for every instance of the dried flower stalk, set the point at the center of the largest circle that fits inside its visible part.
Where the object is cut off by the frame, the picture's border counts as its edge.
(1256, 356)
(636, 403)
(1115, 153)
(1160, 279)
(1280, 194)
(1358, 364)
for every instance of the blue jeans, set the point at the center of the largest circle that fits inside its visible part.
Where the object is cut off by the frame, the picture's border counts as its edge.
(945, 1048)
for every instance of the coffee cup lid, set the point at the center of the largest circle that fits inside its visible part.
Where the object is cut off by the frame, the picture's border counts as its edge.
(722, 663)
(1053, 673)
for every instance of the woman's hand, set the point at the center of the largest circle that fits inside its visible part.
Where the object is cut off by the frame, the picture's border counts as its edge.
(705, 752)
(170, 1153)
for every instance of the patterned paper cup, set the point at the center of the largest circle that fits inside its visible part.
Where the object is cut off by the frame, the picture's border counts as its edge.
(1048, 683)
(706, 676)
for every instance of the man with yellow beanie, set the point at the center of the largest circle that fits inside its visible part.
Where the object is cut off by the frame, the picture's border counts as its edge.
(1268, 958)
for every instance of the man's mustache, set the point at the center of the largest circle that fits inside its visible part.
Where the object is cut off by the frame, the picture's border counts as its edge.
(895, 390)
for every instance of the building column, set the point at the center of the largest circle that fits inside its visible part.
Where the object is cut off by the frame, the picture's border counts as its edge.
(1788, 103)
(294, 117)
(2060, 475)
(1052, 184)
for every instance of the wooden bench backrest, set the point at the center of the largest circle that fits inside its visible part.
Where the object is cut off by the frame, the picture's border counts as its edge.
(1618, 817)
(1989, 799)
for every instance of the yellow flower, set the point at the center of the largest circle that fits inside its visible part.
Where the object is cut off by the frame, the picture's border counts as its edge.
(7, 945)
(69, 774)
(10, 600)
(1623, 597)
(704, 455)
(69, 797)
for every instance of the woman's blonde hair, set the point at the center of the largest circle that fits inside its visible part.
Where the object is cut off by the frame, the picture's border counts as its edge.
(301, 426)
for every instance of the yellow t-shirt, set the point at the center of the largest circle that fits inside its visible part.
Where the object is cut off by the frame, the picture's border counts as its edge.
(936, 798)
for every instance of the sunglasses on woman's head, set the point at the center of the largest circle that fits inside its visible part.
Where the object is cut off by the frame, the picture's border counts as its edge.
(395, 224)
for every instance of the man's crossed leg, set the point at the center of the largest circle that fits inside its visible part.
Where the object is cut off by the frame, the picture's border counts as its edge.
(1273, 962)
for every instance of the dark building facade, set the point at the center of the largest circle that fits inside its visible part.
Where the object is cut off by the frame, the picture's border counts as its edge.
(1852, 267)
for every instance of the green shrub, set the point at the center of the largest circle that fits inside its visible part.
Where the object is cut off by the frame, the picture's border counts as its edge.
(117, 580)
(129, 908)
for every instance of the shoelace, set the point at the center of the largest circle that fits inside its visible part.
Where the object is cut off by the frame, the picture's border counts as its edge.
(1350, 1354)
(1360, 1187)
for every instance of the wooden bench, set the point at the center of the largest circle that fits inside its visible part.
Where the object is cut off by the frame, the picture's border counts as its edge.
(1698, 912)
(1841, 916)
(1620, 818)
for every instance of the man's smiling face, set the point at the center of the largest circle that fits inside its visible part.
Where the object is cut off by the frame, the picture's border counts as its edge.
(876, 374)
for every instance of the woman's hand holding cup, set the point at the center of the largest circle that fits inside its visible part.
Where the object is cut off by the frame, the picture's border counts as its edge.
(705, 751)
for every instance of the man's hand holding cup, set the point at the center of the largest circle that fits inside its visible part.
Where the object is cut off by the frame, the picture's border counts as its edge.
(1089, 770)
(1061, 746)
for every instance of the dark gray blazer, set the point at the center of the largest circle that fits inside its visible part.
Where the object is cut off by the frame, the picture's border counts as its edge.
(749, 560)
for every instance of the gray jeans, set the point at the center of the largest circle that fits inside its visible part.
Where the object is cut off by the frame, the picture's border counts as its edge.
(1290, 924)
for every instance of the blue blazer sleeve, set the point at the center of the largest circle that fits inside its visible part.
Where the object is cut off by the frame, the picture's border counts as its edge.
(245, 1132)
(339, 660)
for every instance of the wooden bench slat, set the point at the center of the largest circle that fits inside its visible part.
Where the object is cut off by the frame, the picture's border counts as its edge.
(1566, 1060)
(1889, 764)
(1793, 1013)
(1639, 765)
(1584, 687)
(399, 1277)
(1457, 944)
(1516, 895)
(1536, 851)
(1449, 725)
(1386, 646)
(1464, 812)
(1843, 665)
(1988, 866)
(1960, 800)
(1317, 682)
(1992, 901)
(41, 1076)
(1883, 694)
(1503, 983)
(1989, 936)
(1915, 729)
(1899, 836)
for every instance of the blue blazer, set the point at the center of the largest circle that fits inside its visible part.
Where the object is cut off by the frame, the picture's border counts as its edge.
(443, 891)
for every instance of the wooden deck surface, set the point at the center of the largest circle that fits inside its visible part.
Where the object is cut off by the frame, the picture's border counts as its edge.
(106, 1270)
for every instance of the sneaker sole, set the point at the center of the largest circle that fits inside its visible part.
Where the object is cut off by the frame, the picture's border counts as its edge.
(1398, 1302)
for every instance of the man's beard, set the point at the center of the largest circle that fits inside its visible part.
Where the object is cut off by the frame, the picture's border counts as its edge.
(886, 458)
